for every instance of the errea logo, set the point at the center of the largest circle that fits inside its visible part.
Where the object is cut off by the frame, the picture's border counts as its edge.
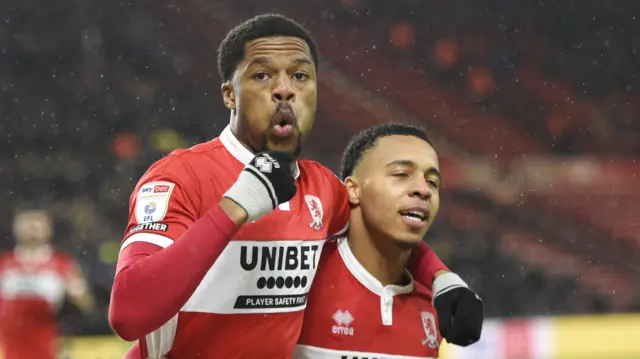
(343, 321)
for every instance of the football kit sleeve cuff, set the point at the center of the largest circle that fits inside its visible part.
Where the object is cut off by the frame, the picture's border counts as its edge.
(254, 193)
(446, 282)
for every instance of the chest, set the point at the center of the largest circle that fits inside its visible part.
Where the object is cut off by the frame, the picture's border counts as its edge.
(347, 318)
(269, 265)
(32, 281)
(306, 216)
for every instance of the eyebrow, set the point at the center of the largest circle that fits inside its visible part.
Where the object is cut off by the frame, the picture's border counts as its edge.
(261, 60)
(303, 61)
(409, 163)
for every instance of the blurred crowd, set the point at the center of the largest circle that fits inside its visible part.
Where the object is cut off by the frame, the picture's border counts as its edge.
(92, 92)
(564, 72)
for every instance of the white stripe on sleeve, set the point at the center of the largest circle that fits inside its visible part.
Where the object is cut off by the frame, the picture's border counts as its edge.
(152, 238)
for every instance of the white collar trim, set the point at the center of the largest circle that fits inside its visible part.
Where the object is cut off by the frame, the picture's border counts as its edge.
(241, 153)
(365, 278)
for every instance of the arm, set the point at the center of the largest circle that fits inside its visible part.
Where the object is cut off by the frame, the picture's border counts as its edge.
(339, 223)
(140, 299)
(156, 275)
(425, 266)
(78, 290)
(160, 265)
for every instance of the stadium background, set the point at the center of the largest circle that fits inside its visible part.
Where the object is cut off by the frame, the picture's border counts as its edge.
(532, 104)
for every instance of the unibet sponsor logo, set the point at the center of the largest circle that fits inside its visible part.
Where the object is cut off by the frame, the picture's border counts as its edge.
(355, 357)
(153, 226)
(291, 263)
(258, 277)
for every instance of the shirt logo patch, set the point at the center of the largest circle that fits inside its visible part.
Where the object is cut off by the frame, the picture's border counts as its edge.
(161, 188)
(430, 331)
(315, 208)
(263, 165)
(152, 201)
(343, 321)
(258, 277)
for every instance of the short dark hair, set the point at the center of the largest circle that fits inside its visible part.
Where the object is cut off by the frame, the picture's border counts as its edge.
(365, 140)
(231, 50)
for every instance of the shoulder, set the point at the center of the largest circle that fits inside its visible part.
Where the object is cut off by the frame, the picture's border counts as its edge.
(62, 258)
(182, 168)
(63, 261)
(422, 292)
(321, 178)
(182, 162)
(316, 169)
(6, 256)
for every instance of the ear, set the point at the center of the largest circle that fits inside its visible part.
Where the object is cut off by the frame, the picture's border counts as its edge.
(353, 190)
(228, 95)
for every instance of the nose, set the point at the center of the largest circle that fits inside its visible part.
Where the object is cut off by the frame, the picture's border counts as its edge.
(283, 92)
(422, 190)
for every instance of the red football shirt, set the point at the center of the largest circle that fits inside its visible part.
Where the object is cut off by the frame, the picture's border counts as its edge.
(256, 290)
(32, 290)
(350, 314)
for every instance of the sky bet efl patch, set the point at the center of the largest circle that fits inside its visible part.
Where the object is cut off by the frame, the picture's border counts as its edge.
(152, 201)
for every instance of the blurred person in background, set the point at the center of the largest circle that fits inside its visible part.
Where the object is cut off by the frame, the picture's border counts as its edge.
(197, 273)
(34, 281)
(392, 176)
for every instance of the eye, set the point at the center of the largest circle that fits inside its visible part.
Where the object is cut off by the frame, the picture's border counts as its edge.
(300, 76)
(261, 76)
(433, 183)
(400, 174)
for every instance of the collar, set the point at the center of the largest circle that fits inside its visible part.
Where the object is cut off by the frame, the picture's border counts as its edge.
(241, 153)
(365, 278)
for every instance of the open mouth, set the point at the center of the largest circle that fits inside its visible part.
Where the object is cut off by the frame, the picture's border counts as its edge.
(414, 215)
(415, 218)
(284, 122)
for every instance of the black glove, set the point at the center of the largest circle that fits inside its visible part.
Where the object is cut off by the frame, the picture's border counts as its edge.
(264, 183)
(460, 310)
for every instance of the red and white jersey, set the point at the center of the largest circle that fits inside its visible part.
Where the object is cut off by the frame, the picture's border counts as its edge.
(33, 288)
(351, 315)
(251, 302)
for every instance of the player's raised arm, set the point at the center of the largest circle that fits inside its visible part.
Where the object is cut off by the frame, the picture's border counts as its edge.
(460, 310)
(169, 246)
(425, 266)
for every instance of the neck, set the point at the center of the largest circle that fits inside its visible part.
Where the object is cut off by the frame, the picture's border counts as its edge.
(235, 130)
(378, 254)
(33, 252)
(31, 247)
